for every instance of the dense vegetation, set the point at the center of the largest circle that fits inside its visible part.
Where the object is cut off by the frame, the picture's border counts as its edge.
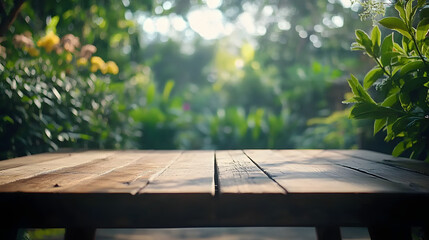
(274, 80)
(401, 78)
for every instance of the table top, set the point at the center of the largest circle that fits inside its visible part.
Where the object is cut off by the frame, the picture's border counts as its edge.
(214, 188)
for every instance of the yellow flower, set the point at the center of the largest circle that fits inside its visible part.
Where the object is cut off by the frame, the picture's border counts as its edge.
(69, 57)
(98, 64)
(112, 68)
(82, 62)
(93, 68)
(34, 52)
(103, 69)
(97, 61)
(49, 41)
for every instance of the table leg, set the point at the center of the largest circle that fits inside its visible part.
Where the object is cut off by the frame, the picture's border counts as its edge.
(388, 233)
(79, 233)
(328, 233)
(8, 233)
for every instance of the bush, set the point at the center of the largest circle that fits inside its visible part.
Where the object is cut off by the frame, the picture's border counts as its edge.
(401, 77)
(51, 95)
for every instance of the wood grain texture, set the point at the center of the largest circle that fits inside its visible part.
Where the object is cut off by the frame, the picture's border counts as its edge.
(31, 170)
(297, 173)
(64, 178)
(399, 162)
(192, 172)
(416, 181)
(176, 189)
(32, 159)
(238, 174)
(131, 177)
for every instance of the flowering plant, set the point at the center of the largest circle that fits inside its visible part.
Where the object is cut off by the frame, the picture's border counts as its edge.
(51, 95)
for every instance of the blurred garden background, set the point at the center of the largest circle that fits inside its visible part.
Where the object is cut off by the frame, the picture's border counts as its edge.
(179, 74)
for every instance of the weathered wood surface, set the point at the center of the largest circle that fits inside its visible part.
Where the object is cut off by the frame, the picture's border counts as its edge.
(324, 188)
(192, 172)
(299, 172)
(238, 174)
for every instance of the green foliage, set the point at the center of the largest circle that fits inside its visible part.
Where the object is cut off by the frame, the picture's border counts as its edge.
(176, 90)
(51, 98)
(401, 76)
(334, 131)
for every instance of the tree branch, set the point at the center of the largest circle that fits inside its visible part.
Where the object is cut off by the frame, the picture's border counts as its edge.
(7, 20)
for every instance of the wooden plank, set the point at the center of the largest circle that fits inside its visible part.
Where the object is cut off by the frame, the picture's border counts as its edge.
(193, 172)
(31, 170)
(416, 181)
(129, 178)
(296, 173)
(399, 162)
(32, 159)
(66, 177)
(238, 174)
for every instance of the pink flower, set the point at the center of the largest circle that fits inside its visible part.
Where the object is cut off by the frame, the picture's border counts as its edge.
(186, 107)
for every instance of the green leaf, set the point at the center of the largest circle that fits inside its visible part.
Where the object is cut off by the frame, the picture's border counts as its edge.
(406, 42)
(363, 39)
(400, 148)
(399, 48)
(358, 90)
(390, 100)
(411, 66)
(150, 116)
(379, 124)
(372, 76)
(389, 134)
(422, 29)
(399, 125)
(167, 90)
(399, 7)
(357, 47)
(396, 24)
(352, 100)
(376, 40)
(8, 119)
(52, 25)
(371, 111)
(376, 36)
(409, 10)
(405, 102)
(386, 49)
(150, 93)
(85, 136)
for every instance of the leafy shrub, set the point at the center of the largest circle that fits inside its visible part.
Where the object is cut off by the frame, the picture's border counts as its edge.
(401, 78)
(50, 95)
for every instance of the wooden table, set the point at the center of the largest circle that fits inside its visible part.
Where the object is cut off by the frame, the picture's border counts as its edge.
(172, 189)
